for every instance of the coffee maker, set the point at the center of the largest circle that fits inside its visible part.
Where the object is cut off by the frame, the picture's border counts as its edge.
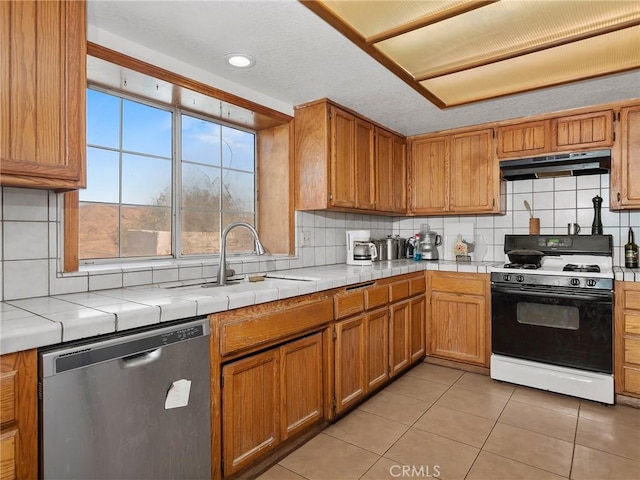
(360, 249)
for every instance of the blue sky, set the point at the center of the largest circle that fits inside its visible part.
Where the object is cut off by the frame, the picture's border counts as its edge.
(147, 132)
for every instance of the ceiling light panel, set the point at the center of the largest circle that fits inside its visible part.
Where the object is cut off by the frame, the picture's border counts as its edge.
(501, 30)
(456, 52)
(614, 52)
(373, 18)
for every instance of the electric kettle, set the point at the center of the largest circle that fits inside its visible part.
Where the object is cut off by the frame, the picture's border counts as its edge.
(429, 242)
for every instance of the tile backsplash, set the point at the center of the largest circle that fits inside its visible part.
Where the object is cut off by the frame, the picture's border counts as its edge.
(30, 241)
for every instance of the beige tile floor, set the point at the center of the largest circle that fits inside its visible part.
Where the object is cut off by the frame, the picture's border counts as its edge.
(446, 423)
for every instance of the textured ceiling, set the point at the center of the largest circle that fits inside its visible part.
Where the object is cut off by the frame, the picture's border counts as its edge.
(301, 58)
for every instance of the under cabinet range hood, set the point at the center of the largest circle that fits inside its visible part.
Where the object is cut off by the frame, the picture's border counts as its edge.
(558, 165)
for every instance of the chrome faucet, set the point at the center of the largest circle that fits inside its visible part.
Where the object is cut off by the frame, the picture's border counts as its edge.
(222, 268)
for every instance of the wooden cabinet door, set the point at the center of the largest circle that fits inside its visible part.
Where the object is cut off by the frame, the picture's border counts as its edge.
(365, 165)
(377, 347)
(250, 409)
(384, 170)
(42, 94)
(429, 182)
(301, 384)
(399, 175)
(589, 130)
(19, 415)
(9, 454)
(474, 173)
(399, 325)
(457, 327)
(350, 381)
(627, 338)
(343, 165)
(391, 177)
(524, 139)
(417, 335)
(625, 166)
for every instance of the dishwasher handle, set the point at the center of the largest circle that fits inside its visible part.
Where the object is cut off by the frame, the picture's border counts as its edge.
(139, 359)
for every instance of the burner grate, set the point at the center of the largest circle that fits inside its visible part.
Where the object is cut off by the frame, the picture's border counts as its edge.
(525, 266)
(572, 267)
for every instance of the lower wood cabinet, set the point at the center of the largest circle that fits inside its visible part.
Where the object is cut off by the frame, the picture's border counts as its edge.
(627, 338)
(381, 335)
(268, 397)
(458, 325)
(361, 357)
(18, 416)
(350, 362)
(376, 334)
(399, 327)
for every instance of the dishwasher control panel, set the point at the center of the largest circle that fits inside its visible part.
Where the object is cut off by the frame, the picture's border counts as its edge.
(123, 345)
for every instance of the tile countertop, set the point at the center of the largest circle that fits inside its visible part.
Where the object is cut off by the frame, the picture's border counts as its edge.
(42, 321)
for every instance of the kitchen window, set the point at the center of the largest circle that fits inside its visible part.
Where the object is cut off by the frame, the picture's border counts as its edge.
(162, 182)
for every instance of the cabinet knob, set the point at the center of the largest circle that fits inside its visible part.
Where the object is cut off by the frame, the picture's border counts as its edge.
(618, 196)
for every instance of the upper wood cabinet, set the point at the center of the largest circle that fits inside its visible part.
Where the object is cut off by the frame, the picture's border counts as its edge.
(625, 166)
(391, 175)
(365, 173)
(429, 181)
(455, 173)
(474, 174)
(340, 163)
(524, 139)
(342, 191)
(559, 134)
(587, 130)
(42, 94)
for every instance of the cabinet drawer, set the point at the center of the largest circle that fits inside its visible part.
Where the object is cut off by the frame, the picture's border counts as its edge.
(632, 323)
(632, 380)
(348, 303)
(376, 297)
(417, 285)
(398, 290)
(8, 381)
(470, 284)
(8, 455)
(253, 331)
(631, 298)
(632, 350)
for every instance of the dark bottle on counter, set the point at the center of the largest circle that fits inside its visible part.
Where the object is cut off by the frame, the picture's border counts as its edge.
(631, 252)
(596, 227)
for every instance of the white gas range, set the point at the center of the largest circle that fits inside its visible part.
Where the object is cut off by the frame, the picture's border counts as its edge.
(552, 319)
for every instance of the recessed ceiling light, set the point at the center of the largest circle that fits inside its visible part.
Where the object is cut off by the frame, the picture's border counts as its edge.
(240, 60)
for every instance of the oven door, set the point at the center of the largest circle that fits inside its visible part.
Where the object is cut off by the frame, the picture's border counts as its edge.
(566, 327)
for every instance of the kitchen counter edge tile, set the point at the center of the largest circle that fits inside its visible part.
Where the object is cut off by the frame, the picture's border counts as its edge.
(43, 321)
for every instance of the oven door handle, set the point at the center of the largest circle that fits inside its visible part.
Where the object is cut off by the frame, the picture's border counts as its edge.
(602, 297)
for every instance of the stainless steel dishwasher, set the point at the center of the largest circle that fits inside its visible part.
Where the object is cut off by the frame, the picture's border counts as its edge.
(132, 406)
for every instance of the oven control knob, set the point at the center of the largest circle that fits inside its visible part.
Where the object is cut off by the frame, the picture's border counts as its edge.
(520, 278)
(575, 282)
(591, 282)
(506, 277)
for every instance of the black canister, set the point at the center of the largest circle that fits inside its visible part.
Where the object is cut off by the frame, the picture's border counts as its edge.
(596, 227)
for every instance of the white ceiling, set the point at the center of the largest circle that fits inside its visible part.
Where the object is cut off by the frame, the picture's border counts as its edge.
(300, 58)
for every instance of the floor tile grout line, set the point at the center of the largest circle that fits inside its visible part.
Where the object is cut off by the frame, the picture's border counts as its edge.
(481, 449)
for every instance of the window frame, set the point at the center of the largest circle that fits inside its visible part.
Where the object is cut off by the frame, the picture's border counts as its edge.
(274, 137)
(176, 178)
